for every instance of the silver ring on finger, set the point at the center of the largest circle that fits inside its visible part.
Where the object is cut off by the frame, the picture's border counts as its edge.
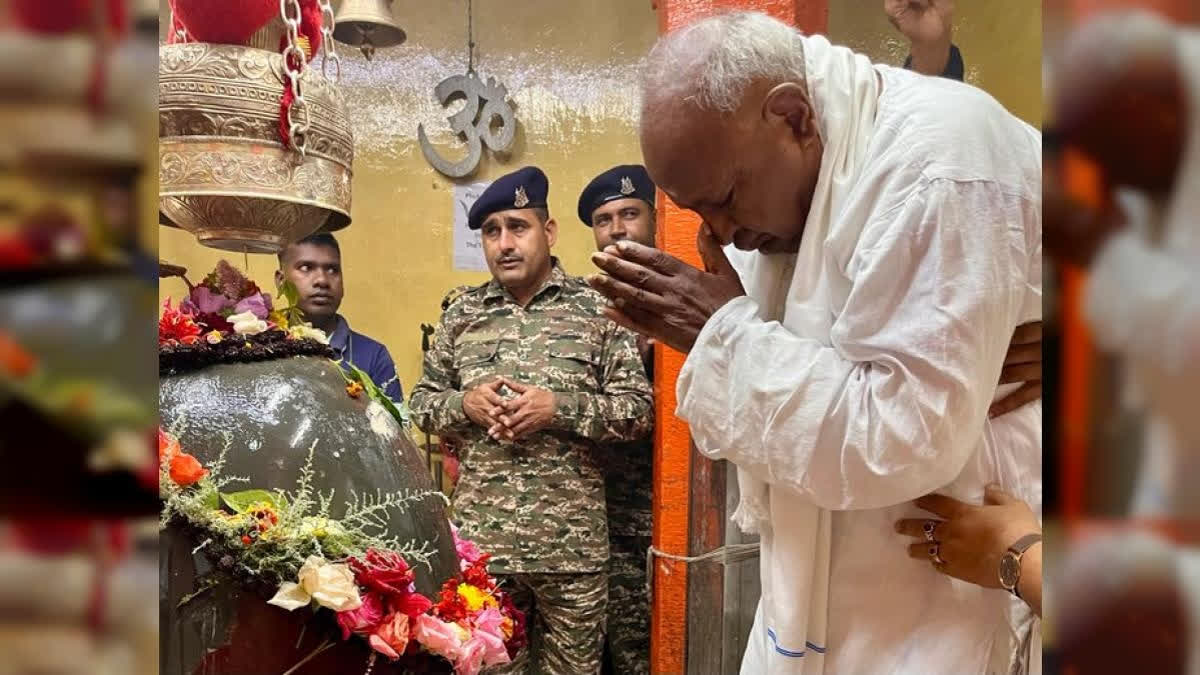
(934, 550)
(929, 527)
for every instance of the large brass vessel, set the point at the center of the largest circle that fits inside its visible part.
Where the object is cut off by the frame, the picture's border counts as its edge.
(224, 173)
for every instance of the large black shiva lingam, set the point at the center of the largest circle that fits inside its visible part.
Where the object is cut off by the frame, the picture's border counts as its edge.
(268, 414)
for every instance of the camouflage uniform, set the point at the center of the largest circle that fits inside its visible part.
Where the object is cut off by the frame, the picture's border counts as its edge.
(537, 505)
(629, 488)
(630, 474)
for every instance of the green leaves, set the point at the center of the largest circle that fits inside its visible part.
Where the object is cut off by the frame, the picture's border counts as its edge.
(240, 502)
(212, 499)
(356, 374)
(292, 312)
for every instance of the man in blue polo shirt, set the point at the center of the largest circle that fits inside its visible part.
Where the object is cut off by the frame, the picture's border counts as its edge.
(314, 265)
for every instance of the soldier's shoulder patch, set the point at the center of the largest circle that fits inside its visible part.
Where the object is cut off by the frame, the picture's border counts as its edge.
(455, 294)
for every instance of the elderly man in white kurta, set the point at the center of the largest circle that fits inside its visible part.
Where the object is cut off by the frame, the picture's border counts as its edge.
(881, 236)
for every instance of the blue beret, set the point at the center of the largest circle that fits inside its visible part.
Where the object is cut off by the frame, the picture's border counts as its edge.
(620, 182)
(525, 188)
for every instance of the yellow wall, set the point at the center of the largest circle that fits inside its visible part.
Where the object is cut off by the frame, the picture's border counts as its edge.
(571, 70)
(570, 67)
(1001, 44)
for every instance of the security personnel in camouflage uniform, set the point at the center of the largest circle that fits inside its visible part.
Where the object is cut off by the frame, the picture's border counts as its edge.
(534, 384)
(619, 204)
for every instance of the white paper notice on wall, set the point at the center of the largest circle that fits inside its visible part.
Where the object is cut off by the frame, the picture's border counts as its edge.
(468, 249)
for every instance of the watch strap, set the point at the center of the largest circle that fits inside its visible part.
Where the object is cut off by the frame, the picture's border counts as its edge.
(1018, 550)
(1024, 543)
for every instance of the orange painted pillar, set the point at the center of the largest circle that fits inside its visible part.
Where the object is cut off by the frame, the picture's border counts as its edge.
(675, 462)
(1082, 180)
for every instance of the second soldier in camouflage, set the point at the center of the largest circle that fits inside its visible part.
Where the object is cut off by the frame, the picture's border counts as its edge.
(619, 204)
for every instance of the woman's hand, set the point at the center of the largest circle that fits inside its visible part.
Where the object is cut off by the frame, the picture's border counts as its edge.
(967, 541)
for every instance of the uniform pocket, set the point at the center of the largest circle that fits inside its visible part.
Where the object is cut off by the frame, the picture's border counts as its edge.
(573, 363)
(476, 360)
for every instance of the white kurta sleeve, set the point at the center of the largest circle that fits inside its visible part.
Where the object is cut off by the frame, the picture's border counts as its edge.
(1145, 304)
(892, 405)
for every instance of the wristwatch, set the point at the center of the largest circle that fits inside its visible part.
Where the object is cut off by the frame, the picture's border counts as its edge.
(1010, 563)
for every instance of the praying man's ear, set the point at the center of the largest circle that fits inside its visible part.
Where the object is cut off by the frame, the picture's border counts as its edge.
(789, 104)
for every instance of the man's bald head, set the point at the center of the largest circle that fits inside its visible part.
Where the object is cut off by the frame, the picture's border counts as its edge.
(728, 128)
(1121, 97)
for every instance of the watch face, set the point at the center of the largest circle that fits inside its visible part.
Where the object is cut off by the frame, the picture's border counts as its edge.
(1010, 571)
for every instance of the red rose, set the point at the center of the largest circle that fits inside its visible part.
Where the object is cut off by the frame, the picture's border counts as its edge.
(477, 574)
(363, 620)
(15, 253)
(411, 604)
(382, 571)
(213, 321)
(518, 639)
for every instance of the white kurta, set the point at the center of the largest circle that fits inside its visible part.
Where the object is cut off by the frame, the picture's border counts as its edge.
(1144, 303)
(891, 402)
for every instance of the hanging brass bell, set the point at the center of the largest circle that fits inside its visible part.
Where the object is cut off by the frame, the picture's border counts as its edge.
(367, 24)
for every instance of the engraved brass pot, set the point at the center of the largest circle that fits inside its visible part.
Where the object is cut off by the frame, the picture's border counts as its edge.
(224, 174)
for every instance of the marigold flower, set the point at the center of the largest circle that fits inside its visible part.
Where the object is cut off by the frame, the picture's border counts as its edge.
(14, 358)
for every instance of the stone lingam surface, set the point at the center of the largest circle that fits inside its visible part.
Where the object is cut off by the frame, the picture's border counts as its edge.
(270, 414)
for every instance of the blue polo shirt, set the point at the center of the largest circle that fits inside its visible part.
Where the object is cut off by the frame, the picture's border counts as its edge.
(368, 355)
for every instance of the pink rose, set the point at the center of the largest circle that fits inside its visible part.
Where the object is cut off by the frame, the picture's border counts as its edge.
(438, 637)
(490, 634)
(259, 305)
(489, 621)
(471, 659)
(208, 302)
(468, 552)
(364, 619)
(391, 638)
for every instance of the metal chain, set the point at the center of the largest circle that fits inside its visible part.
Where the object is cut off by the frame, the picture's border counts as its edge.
(328, 48)
(297, 132)
(470, 40)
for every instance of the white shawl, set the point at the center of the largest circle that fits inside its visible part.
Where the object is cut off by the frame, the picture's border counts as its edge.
(792, 289)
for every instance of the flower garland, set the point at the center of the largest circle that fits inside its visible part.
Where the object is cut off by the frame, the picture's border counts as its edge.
(50, 236)
(346, 565)
(228, 318)
(116, 426)
(228, 303)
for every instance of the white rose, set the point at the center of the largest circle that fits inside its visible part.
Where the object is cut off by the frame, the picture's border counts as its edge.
(306, 330)
(122, 449)
(331, 585)
(247, 324)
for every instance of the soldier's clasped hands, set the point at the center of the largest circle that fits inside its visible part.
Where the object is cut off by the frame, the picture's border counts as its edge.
(531, 411)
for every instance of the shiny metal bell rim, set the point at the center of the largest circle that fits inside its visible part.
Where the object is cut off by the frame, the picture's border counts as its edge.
(224, 174)
(367, 21)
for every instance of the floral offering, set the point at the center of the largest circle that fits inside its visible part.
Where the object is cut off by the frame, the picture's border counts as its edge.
(228, 318)
(346, 567)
